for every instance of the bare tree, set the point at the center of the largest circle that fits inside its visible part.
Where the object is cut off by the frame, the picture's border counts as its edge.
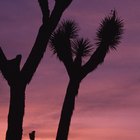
(19, 78)
(71, 50)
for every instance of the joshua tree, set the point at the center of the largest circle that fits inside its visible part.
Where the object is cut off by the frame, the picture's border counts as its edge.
(19, 78)
(71, 50)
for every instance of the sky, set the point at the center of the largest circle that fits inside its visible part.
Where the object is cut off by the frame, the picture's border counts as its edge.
(108, 103)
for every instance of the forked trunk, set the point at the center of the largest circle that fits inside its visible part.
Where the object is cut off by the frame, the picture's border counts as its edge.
(16, 112)
(67, 111)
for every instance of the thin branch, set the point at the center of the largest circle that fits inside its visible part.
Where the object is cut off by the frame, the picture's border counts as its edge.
(2, 55)
(45, 10)
(3, 61)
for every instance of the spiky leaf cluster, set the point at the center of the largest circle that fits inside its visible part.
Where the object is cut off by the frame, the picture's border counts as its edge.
(61, 38)
(65, 42)
(110, 31)
(82, 47)
(69, 28)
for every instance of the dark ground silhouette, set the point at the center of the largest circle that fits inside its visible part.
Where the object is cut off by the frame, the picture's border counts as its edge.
(19, 78)
(71, 50)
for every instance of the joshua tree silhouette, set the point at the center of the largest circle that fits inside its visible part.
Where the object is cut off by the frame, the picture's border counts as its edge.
(71, 50)
(19, 78)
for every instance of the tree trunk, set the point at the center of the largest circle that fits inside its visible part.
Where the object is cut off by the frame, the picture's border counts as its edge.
(16, 112)
(67, 111)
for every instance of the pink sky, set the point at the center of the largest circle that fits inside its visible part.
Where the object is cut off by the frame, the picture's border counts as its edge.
(108, 104)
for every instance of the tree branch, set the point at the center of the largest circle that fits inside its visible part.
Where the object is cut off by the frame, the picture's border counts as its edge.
(96, 59)
(9, 68)
(63, 4)
(68, 67)
(42, 39)
(3, 61)
(2, 55)
(67, 57)
(45, 10)
(108, 37)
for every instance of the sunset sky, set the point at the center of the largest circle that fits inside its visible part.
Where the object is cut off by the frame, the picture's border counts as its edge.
(108, 103)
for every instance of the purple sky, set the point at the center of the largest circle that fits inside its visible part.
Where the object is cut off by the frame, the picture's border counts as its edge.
(108, 104)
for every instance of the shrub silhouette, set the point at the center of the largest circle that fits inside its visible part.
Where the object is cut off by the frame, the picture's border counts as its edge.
(71, 50)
